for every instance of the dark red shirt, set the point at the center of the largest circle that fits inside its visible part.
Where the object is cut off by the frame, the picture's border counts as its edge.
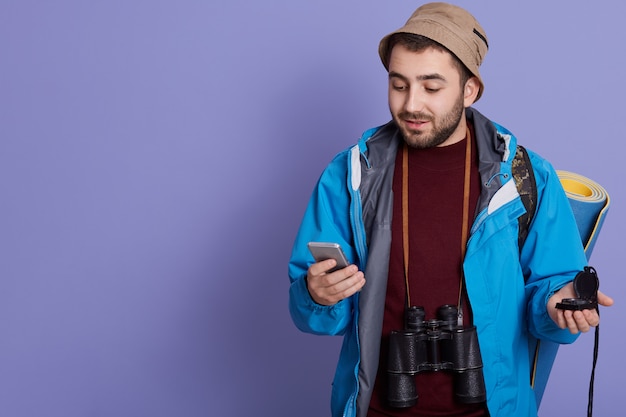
(436, 184)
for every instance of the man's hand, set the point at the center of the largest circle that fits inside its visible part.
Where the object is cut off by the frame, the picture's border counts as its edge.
(575, 321)
(329, 288)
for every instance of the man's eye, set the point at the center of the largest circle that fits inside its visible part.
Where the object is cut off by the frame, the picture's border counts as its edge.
(399, 87)
(432, 90)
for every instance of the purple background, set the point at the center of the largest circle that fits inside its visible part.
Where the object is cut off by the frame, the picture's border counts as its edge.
(155, 160)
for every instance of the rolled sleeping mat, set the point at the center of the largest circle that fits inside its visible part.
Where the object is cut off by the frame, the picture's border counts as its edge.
(590, 203)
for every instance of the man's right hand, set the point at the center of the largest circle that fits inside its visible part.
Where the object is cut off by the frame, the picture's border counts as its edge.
(328, 288)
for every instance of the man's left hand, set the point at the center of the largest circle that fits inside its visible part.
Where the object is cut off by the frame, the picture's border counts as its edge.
(575, 321)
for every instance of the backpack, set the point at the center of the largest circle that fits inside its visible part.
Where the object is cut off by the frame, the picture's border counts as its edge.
(544, 351)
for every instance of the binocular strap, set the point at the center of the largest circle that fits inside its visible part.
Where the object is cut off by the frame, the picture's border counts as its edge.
(465, 224)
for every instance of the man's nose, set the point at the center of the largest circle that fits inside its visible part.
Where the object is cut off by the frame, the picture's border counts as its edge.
(414, 101)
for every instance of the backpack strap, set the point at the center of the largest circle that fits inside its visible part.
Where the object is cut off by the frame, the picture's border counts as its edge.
(524, 177)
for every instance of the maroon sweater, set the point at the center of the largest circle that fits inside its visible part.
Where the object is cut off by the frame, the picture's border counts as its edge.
(436, 182)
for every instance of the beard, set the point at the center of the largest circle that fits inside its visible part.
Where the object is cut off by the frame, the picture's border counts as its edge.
(442, 127)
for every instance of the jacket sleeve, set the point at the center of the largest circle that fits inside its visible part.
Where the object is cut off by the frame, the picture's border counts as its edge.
(326, 219)
(553, 253)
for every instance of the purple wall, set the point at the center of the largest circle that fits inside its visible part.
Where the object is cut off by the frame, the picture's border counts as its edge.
(156, 158)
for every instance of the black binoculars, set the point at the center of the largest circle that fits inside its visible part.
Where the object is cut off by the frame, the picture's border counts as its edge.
(434, 345)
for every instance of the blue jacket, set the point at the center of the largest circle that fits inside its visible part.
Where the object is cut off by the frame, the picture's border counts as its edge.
(352, 205)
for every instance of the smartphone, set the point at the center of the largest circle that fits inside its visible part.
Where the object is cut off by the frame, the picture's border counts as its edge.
(322, 251)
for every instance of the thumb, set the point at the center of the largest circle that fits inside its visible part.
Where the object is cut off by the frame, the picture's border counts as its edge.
(604, 299)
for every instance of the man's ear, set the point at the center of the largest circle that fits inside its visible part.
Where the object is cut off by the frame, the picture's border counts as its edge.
(470, 91)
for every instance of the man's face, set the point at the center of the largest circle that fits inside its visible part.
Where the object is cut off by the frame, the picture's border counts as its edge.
(426, 98)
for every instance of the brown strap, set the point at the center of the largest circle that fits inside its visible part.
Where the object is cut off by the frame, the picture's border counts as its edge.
(405, 219)
(465, 226)
(405, 213)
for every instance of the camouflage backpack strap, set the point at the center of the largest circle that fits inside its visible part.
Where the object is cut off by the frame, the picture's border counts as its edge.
(524, 177)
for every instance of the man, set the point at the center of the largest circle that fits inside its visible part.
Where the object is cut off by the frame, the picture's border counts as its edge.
(427, 210)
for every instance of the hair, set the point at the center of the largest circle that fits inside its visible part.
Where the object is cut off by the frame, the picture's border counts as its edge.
(419, 43)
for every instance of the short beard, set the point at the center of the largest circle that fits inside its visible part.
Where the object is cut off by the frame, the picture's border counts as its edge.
(445, 127)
